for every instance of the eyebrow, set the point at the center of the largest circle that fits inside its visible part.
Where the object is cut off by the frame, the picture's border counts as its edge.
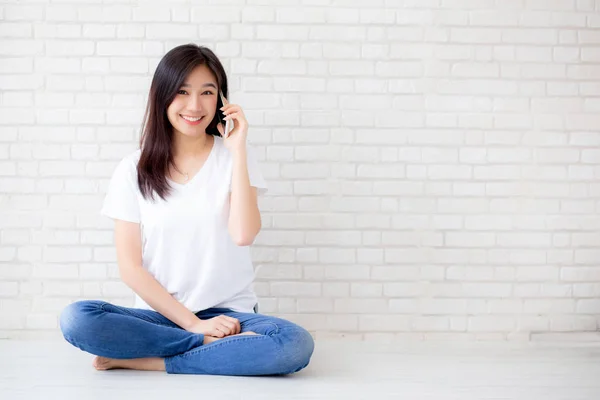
(209, 84)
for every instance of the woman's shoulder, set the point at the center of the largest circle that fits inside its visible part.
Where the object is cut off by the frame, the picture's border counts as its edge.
(128, 163)
(219, 146)
(132, 158)
(221, 152)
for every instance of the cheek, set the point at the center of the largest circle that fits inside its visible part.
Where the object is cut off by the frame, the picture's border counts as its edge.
(210, 104)
(172, 111)
(173, 107)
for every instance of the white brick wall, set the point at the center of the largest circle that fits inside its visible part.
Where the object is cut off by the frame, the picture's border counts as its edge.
(433, 165)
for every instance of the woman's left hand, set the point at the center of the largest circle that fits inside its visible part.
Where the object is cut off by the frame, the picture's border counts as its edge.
(237, 137)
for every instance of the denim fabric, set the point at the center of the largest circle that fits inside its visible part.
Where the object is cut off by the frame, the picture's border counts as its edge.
(97, 327)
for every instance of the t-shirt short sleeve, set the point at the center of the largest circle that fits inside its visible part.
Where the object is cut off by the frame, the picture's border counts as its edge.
(254, 173)
(121, 201)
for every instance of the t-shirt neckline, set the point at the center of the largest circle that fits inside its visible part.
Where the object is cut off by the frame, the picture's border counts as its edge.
(202, 169)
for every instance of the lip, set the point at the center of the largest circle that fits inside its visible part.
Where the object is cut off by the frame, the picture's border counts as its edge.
(192, 122)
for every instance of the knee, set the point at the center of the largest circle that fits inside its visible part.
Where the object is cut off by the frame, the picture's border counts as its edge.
(75, 316)
(306, 346)
(297, 351)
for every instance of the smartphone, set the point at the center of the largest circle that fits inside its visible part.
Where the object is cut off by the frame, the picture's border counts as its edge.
(228, 123)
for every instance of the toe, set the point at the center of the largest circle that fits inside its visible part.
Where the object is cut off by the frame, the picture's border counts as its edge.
(101, 363)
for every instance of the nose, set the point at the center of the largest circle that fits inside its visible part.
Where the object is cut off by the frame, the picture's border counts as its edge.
(194, 104)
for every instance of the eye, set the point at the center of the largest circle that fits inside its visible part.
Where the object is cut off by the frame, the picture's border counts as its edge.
(208, 91)
(181, 92)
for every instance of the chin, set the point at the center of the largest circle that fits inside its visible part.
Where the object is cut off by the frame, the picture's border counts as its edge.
(191, 131)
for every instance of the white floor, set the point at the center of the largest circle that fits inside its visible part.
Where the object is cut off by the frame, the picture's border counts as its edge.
(339, 370)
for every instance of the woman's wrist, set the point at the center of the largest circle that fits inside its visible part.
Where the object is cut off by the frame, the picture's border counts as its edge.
(190, 322)
(238, 151)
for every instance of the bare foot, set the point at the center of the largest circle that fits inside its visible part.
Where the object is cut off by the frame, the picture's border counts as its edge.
(147, 364)
(142, 364)
(103, 363)
(210, 339)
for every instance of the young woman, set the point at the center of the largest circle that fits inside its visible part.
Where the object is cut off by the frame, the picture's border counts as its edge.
(185, 211)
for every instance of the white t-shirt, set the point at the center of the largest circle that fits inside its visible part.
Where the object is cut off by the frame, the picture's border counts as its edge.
(185, 240)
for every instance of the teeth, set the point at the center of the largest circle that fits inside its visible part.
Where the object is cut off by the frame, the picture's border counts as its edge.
(191, 119)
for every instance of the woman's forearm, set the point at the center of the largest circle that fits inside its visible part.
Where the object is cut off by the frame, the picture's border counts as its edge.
(244, 216)
(155, 295)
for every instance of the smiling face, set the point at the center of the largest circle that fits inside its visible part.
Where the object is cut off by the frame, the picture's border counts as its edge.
(195, 103)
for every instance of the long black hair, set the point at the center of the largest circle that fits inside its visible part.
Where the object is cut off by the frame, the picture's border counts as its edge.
(157, 132)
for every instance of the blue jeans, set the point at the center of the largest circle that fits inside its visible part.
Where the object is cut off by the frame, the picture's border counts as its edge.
(281, 347)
